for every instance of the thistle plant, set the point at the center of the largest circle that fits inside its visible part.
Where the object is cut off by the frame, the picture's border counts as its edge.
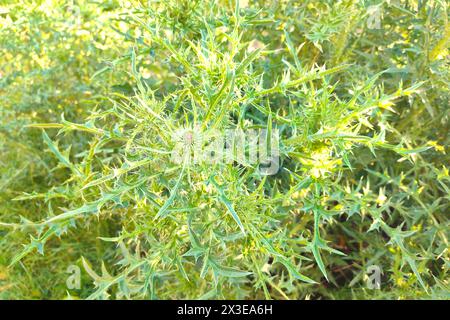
(358, 182)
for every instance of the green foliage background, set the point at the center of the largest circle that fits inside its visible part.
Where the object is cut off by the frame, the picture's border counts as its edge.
(90, 92)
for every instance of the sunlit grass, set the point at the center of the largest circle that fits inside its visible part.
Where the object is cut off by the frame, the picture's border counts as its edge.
(88, 125)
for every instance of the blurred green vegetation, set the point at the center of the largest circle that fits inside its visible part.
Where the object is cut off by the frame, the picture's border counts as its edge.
(364, 160)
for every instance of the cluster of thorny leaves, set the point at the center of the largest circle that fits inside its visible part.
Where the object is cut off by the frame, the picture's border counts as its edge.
(360, 104)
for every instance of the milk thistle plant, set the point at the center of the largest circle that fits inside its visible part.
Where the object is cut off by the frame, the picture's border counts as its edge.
(224, 149)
